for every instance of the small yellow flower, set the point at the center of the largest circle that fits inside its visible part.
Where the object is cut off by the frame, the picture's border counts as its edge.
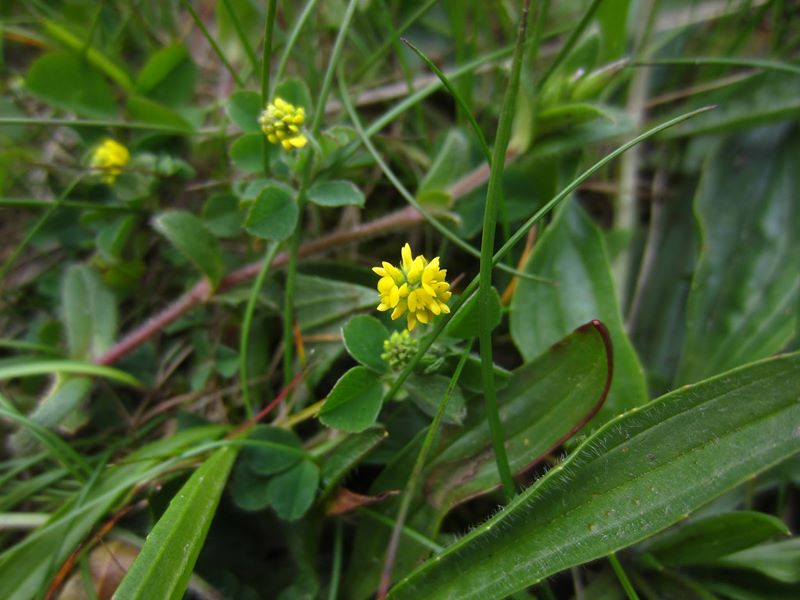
(416, 289)
(109, 157)
(281, 122)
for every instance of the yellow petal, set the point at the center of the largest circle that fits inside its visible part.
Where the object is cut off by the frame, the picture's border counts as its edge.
(298, 141)
(407, 258)
(380, 271)
(394, 296)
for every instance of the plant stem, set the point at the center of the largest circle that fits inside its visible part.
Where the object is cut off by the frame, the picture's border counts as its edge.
(237, 25)
(36, 227)
(623, 578)
(298, 25)
(294, 244)
(213, 43)
(411, 485)
(244, 340)
(487, 250)
(266, 56)
(336, 569)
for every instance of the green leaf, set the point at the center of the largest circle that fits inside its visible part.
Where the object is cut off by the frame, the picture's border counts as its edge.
(274, 214)
(702, 541)
(760, 99)
(354, 402)
(612, 17)
(272, 450)
(247, 151)
(26, 568)
(571, 253)
(292, 492)
(244, 108)
(60, 401)
(363, 337)
(295, 91)
(111, 239)
(638, 474)
(348, 454)
(743, 301)
(149, 111)
(74, 367)
(89, 312)
(249, 489)
(449, 164)
(336, 193)
(565, 116)
(163, 567)
(66, 81)
(544, 402)
(189, 235)
(657, 323)
(221, 215)
(465, 324)
(779, 561)
(168, 77)
(427, 391)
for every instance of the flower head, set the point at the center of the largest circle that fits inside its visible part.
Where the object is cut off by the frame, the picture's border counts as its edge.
(109, 157)
(281, 122)
(399, 348)
(416, 289)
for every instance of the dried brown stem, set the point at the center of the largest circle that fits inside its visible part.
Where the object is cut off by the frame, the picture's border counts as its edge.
(201, 292)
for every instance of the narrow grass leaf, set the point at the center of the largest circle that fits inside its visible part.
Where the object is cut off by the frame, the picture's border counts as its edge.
(166, 561)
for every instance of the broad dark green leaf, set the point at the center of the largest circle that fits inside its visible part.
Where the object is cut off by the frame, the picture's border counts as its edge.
(221, 215)
(657, 319)
(354, 402)
(638, 474)
(292, 492)
(744, 297)
(757, 100)
(89, 313)
(363, 337)
(612, 17)
(111, 239)
(190, 236)
(544, 402)
(702, 541)
(165, 563)
(274, 214)
(66, 81)
(336, 193)
(244, 108)
(779, 561)
(571, 253)
(427, 391)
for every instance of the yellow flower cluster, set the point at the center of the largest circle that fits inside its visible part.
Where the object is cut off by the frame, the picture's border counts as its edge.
(416, 289)
(281, 122)
(109, 157)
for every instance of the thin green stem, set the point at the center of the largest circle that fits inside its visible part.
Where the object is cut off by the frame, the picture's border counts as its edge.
(408, 196)
(410, 533)
(457, 97)
(416, 473)
(336, 568)
(247, 321)
(36, 227)
(92, 123)
(767, 65)
(294, 243)
(266, 60)
(521, 232)
(292, 40)
(237, 26)
(487, 250)
(212, 42)
(87, 44)
(36, 203)
(623, 578)
(571, 41)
